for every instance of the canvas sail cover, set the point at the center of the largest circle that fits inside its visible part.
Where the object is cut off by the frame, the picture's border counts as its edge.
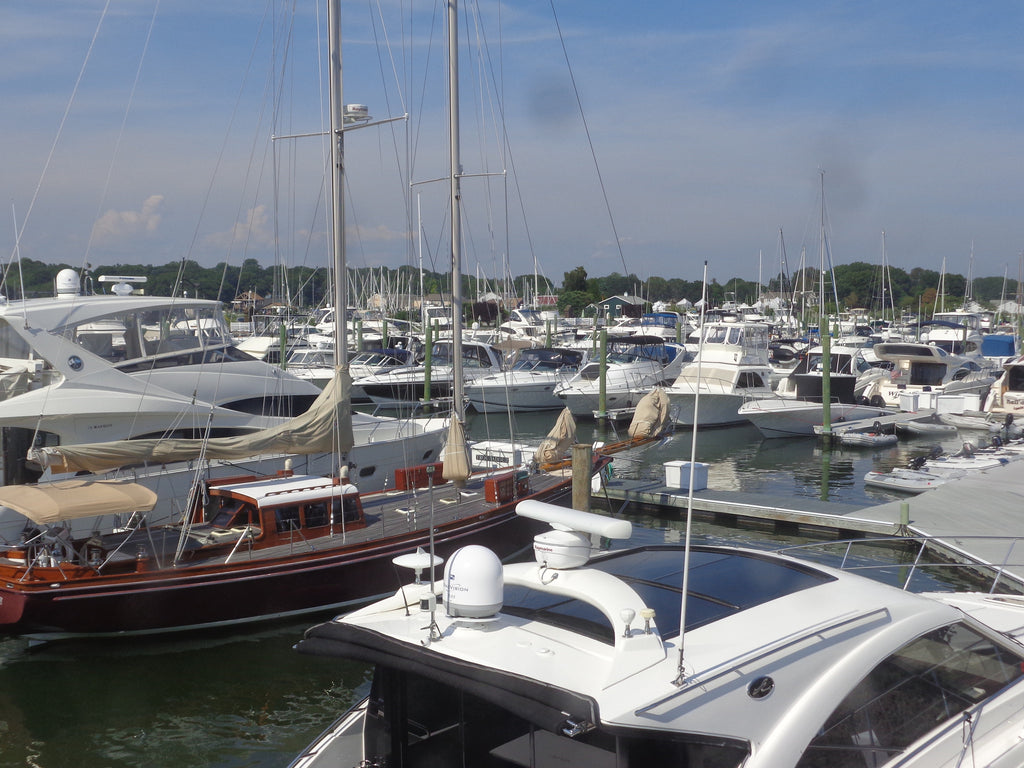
(558, 441)
(651, 415)
(455, 454)
(325, 427)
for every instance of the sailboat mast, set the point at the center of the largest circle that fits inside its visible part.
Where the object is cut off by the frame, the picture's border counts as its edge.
(455, 171)
(338, 183)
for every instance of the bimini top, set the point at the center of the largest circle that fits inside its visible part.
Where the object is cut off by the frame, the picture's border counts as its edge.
(46, 503)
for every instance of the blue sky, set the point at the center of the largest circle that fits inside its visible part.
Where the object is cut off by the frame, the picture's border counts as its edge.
(705, 128)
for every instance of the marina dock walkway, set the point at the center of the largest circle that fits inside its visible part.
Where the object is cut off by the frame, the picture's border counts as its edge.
(978, 516)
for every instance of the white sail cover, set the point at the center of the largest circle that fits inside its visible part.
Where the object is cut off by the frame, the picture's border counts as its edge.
(325, 427)
(559, 440)
(651, 415)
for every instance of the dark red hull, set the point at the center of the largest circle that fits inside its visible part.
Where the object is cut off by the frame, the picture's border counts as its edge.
(210, 595)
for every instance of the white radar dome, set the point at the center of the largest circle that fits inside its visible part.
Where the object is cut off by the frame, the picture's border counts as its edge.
(67, 283)
(473, 583)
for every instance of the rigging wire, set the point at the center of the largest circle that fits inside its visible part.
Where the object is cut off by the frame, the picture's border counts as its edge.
(590, 141)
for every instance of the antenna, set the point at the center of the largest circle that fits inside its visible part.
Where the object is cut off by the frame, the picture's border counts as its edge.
(681, 672)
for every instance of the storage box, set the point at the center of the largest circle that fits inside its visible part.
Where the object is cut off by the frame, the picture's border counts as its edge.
(408, 478)
(949, 404)
(677, 475)
(909, 401)
(500, 488)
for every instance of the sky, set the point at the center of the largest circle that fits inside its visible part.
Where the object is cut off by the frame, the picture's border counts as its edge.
(637, 138)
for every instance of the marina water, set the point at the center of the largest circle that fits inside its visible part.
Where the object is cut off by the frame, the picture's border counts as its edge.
(243, 697)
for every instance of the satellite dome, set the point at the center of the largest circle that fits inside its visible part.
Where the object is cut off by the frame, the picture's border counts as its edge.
(473, 583)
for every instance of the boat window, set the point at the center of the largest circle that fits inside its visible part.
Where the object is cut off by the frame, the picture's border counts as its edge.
(413, 721)
(926, 683)
(287, 519)
(749, 379)
(735, 335)
(715, 334)
(231, 513)
(927, 374)
(315, 514)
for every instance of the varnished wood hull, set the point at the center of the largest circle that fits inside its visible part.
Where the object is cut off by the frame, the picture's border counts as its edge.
(261, 587)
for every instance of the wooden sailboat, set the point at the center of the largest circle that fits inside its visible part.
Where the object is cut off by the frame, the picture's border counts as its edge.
(249, 548)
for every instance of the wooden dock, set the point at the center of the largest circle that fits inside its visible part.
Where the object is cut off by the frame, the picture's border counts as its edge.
(977, 518)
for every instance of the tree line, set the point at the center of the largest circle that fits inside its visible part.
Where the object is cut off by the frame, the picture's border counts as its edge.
(857, 284)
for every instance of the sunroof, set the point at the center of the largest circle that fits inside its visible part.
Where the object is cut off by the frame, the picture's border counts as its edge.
(721, 583)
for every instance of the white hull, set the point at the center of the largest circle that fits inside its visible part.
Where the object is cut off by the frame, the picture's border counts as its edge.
(381, 447)
(529, 392)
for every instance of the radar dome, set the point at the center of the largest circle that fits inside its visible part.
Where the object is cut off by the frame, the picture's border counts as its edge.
(67, 283)
(473, 583)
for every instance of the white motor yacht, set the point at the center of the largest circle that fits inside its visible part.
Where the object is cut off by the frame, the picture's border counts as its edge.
(926, 370)
(578, 659)
(634, 365)
(530, 384)
(123, 366)
(731, 366)
(404, 386)
(797, 406)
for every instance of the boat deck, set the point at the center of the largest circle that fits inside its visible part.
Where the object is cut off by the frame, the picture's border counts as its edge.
(395, 514)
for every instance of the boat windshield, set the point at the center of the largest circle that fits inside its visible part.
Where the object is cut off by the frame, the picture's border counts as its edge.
(131, 336)
(931, 680)
(416, 721)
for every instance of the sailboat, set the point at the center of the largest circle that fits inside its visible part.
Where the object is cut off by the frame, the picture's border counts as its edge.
(254, 548)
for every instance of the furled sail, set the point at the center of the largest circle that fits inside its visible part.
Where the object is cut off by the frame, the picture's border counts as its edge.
(558, 441)
(325, 427)
(455, 454)
(651, 415)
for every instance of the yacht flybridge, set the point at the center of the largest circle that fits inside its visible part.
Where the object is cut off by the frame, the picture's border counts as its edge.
(579, 660)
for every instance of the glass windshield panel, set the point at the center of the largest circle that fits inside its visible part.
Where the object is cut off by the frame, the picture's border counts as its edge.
(928, 682)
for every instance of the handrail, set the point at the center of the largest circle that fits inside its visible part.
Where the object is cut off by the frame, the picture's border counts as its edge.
(940, 545)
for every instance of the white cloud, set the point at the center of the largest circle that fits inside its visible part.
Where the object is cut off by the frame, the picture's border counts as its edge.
(256, 230)
(114, 227)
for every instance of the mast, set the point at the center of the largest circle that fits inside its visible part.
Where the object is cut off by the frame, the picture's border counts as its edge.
(337, 184)
(455, 194)
(343, 419)
(456, 455)
(825, 332)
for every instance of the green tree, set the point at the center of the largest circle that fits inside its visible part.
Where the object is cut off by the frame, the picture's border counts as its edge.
(576, 280)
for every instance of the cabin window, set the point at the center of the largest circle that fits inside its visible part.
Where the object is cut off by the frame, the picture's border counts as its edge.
(345, 509)
(368, 471)
(232, 513)
(927, 374)
(748, 379)
(928, 682)
(315, 515)
(287, 519)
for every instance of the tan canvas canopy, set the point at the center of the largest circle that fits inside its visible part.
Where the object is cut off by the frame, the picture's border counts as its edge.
(48, 503)
(325, 427)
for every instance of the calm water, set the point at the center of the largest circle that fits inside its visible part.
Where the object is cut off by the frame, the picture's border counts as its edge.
(247, 699)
